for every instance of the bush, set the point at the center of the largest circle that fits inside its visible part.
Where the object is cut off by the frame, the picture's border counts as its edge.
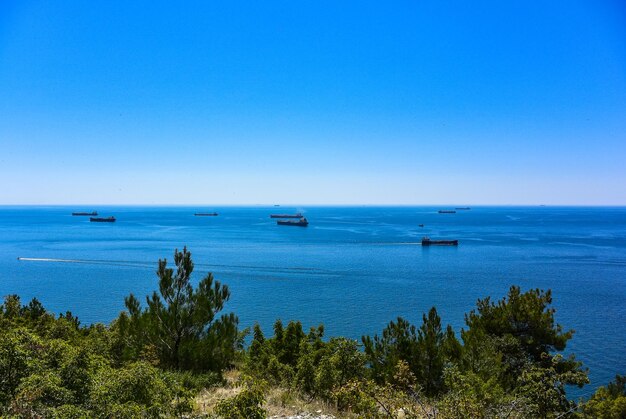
(138, 387)
(248, 404)
(197, 381)
(608, 402)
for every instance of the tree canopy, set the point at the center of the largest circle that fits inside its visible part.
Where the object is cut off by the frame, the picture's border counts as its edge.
(154, 357)
(180, 323)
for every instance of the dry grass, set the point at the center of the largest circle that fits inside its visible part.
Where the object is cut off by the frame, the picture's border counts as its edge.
(208, 398)
(282, 402)
(279, 402)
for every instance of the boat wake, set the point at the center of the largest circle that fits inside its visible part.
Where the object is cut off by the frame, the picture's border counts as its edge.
(201, 266)
(91, 261)
(395, 243)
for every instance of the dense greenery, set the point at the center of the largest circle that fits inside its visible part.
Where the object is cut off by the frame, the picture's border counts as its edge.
(179, 324)
(507, 362)
(141, 365)
(51, 367)
(153, 360)
(608, 402)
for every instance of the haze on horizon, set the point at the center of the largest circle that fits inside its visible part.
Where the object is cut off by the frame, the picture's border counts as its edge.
(313, 102)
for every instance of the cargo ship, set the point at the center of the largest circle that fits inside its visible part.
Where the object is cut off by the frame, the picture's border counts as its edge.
(447, 212)
(302, 222)
(102, 219)
(426, 241)
(93, 213)
(206, 214)
(298, 215)
(463, 208)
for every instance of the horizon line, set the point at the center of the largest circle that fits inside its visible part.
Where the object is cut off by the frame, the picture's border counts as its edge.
(187, 205)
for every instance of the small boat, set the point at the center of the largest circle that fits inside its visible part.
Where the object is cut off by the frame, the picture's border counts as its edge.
(463, 208)
(85, 213)
(426, 241)
(102, 219)
(206, 214)
(302, 222)
(298, 215)
(446, 212)
(421, 225)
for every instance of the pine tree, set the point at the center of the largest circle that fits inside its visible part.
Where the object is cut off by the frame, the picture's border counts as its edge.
(181, 322)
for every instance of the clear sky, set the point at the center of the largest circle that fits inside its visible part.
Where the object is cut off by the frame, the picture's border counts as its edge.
(313, 102)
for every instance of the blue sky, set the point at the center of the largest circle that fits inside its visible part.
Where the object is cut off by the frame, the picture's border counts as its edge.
(228, 102)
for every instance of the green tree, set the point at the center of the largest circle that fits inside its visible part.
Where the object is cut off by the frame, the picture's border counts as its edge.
(522, 329)
(341, 361)
(180, 321)
(608, 402)
(525, 316)
(11, 308)
(431, 343)
(398, 342)
(471, 396)
(305, 375)
(290, 343)
(39, 392)
(277, 340)
(544, 387)
(257, 351)
(425, 350)
(19, 352)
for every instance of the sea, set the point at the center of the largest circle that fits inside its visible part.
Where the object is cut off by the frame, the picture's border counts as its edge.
(353, 269)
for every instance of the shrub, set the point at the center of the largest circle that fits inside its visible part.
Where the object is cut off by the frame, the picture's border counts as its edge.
(138, 387)
(248, 404)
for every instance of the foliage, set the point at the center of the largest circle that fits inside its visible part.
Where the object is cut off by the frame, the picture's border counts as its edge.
(361, 397)
(398, 342)
(425, 350)
(153, 359)
(471, 395)
(179, 324)
(544, 388)
(520, 330)
(608, 402)
(247, 404)
(138, 387)
(44, 375)
(525, 316)
(55, 367)
(18, 349)
(399, 400)
(304, 361)
(503, 368)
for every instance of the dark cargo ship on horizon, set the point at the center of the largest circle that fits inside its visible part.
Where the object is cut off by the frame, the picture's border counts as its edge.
(102, 219)
(93, 213)
(426, 241)
(302, 222)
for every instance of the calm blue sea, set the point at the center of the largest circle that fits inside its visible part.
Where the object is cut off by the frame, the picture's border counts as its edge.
(353, 269)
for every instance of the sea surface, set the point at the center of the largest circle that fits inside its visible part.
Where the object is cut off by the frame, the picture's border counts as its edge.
(353, 269)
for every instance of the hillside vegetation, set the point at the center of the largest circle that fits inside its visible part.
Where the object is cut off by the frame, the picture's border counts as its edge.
(177, 355)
